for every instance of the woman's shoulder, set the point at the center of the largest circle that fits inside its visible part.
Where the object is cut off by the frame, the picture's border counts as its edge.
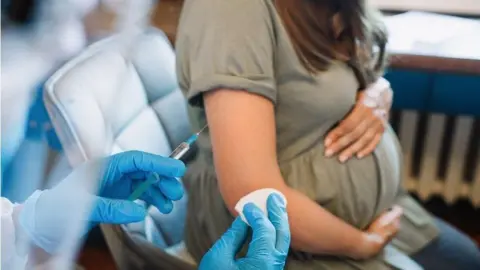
(229, 3)
(227, 11)
(228, 23)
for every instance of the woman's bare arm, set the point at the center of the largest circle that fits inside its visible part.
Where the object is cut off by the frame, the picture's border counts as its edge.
(242, 129)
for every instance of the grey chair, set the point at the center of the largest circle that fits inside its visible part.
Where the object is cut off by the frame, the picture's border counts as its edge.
(114, 98)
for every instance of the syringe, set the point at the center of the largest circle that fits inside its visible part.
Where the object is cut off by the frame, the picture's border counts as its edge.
(178, 153)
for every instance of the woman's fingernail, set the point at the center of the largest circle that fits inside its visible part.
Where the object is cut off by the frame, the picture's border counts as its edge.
(374, 238)
(329, 153)
(328, 142)
(343, 159)
(359, 156)
(398, 210)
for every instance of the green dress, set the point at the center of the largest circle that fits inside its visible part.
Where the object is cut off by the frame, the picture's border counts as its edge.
(242, 45)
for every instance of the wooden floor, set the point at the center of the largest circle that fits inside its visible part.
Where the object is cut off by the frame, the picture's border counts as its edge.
(95, 255)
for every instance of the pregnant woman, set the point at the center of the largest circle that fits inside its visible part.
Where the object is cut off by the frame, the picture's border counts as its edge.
(281, 86)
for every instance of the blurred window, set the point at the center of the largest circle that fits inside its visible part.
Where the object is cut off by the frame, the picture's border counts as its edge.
(461, 7)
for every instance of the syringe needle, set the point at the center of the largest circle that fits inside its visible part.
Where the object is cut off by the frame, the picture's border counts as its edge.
(201, 130)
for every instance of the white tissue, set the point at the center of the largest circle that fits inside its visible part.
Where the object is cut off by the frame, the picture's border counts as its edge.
(259, 198)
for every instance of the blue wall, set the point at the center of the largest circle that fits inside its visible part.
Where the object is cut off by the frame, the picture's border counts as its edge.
(452, 94)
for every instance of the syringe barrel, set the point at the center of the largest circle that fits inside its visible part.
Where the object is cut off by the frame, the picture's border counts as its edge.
(180, 151)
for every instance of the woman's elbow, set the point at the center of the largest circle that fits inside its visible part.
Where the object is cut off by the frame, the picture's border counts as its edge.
(233, 193)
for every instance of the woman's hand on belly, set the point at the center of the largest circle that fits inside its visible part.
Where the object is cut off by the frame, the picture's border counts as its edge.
(362, 129)
(379, 233)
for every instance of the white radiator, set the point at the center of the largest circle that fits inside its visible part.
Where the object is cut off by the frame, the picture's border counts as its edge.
(441, 155)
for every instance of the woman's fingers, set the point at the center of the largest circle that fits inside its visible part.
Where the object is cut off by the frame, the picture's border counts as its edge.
(363, 134)
(348, 130)
(346, 126)
(361, 141)
(388, 224)
(351, 134)
(378, 128)
(358, 139)
(369, 141)
(370, 147)
(379, 233)
(346, 138)
(333, 136)
(391, 216)
(360, 144)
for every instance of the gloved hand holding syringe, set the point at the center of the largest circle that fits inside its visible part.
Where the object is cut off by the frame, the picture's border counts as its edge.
(178, 153)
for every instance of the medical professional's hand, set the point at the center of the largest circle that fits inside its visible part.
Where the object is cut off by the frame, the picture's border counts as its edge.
(362, 129)
(269, 246)
(123, 173)
(96, 192)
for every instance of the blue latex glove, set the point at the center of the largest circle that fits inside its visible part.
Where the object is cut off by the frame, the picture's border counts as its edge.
(270, 240)
(95, 193)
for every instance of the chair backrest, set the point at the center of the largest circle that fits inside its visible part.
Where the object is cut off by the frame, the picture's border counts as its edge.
(111, 99)
(119, 96)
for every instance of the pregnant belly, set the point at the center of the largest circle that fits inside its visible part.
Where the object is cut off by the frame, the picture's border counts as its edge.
(356, 191)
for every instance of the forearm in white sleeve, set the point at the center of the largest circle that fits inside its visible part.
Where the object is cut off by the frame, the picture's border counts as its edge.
(9, 256)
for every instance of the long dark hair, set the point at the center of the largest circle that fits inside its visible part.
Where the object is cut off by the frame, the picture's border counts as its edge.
(345, 30)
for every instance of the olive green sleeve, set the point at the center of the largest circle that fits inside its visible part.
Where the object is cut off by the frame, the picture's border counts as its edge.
(226, 44)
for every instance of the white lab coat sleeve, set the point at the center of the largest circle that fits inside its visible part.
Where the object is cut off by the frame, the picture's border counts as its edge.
(9, 257)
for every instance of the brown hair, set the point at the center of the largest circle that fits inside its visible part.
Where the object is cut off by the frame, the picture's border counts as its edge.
(327, 30)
